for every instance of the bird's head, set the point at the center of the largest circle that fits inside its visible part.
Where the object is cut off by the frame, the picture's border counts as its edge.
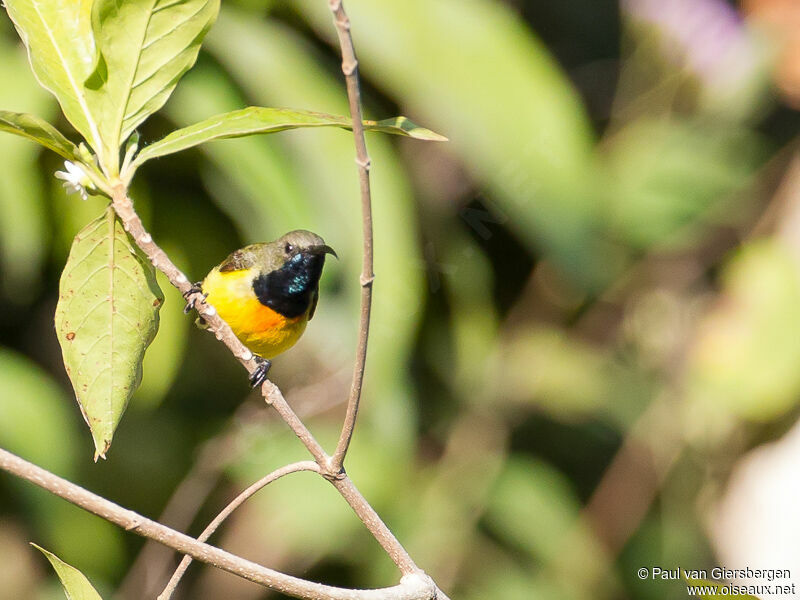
(300, 244)
(290, 269)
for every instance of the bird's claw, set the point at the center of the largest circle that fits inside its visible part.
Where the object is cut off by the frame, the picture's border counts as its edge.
(259, 375)
(191, 297)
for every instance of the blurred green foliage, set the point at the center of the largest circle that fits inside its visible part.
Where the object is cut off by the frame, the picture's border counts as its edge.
(601, 236)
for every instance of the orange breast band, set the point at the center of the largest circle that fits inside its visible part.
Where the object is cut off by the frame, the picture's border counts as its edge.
(264, 331)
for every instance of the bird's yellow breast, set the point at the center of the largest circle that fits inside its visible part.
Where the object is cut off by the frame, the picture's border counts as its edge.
(264, 331)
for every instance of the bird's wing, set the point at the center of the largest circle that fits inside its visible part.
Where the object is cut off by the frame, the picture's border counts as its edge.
(314, 298)
(237, 261)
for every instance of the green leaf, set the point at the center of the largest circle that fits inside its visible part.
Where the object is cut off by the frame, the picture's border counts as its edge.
(38, 130)
(255, 119)
(76, 586)
(61, 49)
(107, 315)
(145, 47)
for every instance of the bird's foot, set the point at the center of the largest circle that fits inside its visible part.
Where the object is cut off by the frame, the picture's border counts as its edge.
(191, 297)
(259, 375)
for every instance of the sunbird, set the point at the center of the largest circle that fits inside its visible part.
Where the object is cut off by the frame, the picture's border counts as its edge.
(267, 293)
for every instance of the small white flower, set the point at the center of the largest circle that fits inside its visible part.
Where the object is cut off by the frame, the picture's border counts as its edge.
(76, 181)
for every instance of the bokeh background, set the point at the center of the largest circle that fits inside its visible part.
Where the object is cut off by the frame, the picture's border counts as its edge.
(585, 355)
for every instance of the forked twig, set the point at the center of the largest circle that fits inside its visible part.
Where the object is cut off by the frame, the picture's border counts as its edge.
(151, 568)
(272, 395)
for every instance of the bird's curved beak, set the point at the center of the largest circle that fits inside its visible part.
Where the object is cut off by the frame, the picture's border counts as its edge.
(322, 249)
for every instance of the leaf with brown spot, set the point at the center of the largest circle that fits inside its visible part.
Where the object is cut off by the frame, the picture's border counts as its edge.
(107, 315)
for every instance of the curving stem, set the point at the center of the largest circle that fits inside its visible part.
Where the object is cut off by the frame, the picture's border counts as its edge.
(350, 70)
(306, 465)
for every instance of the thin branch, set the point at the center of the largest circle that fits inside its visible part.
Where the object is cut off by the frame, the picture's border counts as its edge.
(227, 511)
(350, 70)
(375, 525)
(133, 224)
(150, 568)
(416, 586)
(342, 482)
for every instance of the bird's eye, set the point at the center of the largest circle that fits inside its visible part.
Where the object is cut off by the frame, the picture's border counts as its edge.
(288, 248)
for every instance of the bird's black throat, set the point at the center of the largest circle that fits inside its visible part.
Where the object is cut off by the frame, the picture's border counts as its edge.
(290, 289)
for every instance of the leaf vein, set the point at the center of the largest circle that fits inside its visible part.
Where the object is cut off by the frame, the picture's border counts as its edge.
(87, 352)
(158, 9)
(174, 29)
(89, 312)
